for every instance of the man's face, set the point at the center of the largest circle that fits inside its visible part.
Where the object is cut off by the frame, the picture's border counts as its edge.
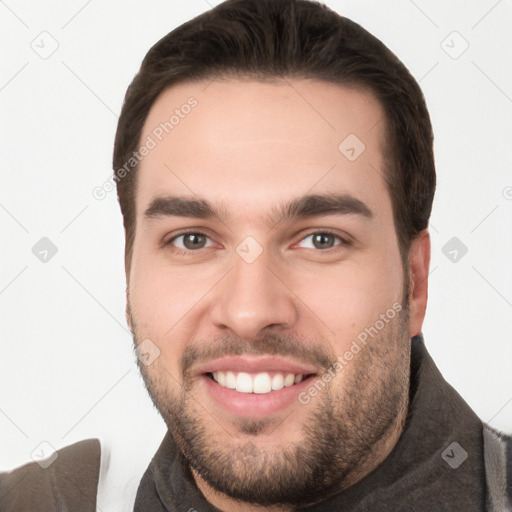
(266, 260)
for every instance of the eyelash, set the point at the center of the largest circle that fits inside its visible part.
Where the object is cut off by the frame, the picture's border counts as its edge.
(343, 241)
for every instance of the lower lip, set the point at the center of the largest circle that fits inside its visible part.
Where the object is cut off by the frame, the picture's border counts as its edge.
(254, 405)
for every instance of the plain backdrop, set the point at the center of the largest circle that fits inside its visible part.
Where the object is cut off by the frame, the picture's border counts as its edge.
(67, 369)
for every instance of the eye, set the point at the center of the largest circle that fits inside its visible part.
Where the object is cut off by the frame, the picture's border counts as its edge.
(321, 240)
(190, 241)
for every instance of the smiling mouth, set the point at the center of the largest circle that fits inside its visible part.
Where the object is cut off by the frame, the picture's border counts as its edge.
(259, 383)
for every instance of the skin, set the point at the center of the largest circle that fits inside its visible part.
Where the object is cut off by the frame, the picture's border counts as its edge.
(247, 148)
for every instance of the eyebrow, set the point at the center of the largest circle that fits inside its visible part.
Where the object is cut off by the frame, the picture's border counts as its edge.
(320, 205)
(308, 206)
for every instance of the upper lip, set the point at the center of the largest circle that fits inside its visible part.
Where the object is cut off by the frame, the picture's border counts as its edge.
(254, 364)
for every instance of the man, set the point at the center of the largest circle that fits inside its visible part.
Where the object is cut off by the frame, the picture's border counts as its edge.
(275, 173)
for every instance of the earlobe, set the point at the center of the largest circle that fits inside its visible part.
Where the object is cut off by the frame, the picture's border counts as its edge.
(419, 262)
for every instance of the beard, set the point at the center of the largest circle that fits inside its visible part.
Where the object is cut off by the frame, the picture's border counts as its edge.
(340, 437)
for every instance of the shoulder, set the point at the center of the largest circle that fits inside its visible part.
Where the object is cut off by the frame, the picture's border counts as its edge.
(498, 469)
(67, 480)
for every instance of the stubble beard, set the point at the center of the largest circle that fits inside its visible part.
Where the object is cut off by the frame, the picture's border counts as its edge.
(341, 436)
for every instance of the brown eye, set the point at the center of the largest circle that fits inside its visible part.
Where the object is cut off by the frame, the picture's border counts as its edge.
(323, 241)
(191, 241)
(320, 240)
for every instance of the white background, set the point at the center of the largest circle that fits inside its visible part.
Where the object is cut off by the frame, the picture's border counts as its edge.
(67, 370)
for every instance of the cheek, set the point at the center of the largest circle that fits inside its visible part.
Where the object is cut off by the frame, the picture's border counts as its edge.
(157, 308)
(165, 299)
(349, 298)
(158, 299)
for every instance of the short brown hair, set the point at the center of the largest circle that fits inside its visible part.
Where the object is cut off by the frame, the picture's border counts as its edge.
(264, 39)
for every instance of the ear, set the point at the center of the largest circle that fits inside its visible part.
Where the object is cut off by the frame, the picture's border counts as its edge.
(127, 269)
(419, 262)
(127, 311)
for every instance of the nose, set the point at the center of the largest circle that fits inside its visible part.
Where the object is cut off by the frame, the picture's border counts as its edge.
(252, 299)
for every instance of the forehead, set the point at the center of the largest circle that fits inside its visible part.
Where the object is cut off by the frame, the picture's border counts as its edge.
(252, 143)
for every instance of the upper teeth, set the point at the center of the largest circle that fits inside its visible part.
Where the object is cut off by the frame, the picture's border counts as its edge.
(256, 383)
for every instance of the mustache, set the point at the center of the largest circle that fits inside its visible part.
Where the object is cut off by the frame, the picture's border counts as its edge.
(269, 344)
